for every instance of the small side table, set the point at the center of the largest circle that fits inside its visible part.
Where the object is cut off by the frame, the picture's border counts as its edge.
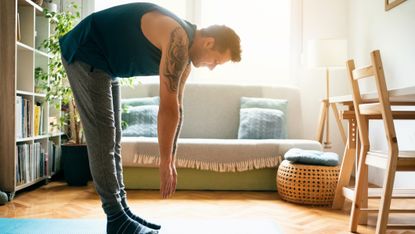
(307, 184)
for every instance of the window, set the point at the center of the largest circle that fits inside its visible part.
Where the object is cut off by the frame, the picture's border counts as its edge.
(264, 29)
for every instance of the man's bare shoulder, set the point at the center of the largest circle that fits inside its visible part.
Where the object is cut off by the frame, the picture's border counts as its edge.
(158, 28)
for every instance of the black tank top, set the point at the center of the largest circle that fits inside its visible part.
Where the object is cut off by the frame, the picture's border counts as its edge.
(112, 40)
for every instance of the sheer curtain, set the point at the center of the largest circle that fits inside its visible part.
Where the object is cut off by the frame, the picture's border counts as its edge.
(264, 29)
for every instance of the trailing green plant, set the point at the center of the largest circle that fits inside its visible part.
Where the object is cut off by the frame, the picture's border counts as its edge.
(58, 90)
(41, 80)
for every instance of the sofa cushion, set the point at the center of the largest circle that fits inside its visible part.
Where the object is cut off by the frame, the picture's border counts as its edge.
(141, 121)
(313, 157)
(265, 104)
(223, 155)
(259, 123)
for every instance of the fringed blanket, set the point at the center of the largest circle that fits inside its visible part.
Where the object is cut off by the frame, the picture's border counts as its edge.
(220, 155)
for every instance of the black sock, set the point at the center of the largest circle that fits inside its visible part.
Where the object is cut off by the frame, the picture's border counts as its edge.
(121, 223)
(140, 220)
(136, 218)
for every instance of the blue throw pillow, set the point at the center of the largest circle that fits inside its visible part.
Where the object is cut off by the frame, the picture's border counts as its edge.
(269, 103)
(258, 123)
(313, 157)
(141, 121)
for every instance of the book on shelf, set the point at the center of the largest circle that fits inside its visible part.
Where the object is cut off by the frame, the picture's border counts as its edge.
(19, 117)
(29, 118)
(41, 131)
(54, 158)
(25, 116)
(38, 119)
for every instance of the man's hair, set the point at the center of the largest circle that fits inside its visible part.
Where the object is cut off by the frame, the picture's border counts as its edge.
(225, 38)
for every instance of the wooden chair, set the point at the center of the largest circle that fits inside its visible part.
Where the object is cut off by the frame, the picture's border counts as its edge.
(391, 161)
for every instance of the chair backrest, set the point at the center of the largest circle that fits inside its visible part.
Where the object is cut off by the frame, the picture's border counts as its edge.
(382, 106)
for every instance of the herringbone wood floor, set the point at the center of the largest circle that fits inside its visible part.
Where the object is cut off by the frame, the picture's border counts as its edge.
(56, 200)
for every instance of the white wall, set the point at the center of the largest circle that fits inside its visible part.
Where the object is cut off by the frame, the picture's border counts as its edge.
(367, 26)
(393, 33)
(321, 19)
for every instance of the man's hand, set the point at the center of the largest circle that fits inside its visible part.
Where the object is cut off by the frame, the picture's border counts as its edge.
(168, 179)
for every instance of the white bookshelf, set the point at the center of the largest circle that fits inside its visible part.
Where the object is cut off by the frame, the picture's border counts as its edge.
(17, 72)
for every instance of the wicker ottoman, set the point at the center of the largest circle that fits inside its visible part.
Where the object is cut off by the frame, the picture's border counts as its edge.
(307, 184)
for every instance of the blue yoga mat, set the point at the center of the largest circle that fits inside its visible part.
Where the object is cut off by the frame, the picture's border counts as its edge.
(169, 226)
(38, 226)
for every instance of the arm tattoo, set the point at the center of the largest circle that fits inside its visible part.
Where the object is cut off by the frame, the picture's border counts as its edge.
(176, 59)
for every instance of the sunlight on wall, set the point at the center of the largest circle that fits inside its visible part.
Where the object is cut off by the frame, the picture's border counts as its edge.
(264, 29)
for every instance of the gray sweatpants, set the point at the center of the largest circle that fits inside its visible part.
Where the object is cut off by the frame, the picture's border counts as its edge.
(97, 97)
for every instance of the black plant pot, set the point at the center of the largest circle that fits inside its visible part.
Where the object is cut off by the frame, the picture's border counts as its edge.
(75, 164)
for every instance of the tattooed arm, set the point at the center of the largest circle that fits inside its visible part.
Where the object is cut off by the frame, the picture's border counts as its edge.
(173, 63)
(183, 79)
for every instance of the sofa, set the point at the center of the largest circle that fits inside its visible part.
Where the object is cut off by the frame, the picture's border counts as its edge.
(210, 156)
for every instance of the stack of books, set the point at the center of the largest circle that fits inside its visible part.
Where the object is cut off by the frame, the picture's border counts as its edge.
(32, 162)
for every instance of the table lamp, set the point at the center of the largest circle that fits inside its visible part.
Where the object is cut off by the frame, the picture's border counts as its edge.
(327, 54)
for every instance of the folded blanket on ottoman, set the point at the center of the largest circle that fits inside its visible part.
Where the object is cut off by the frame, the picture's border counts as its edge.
(313, 157)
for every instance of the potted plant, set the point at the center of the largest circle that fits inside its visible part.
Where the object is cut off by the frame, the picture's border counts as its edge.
(74, 152)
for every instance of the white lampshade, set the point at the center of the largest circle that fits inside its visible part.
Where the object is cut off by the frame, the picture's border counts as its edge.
(327, 53)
